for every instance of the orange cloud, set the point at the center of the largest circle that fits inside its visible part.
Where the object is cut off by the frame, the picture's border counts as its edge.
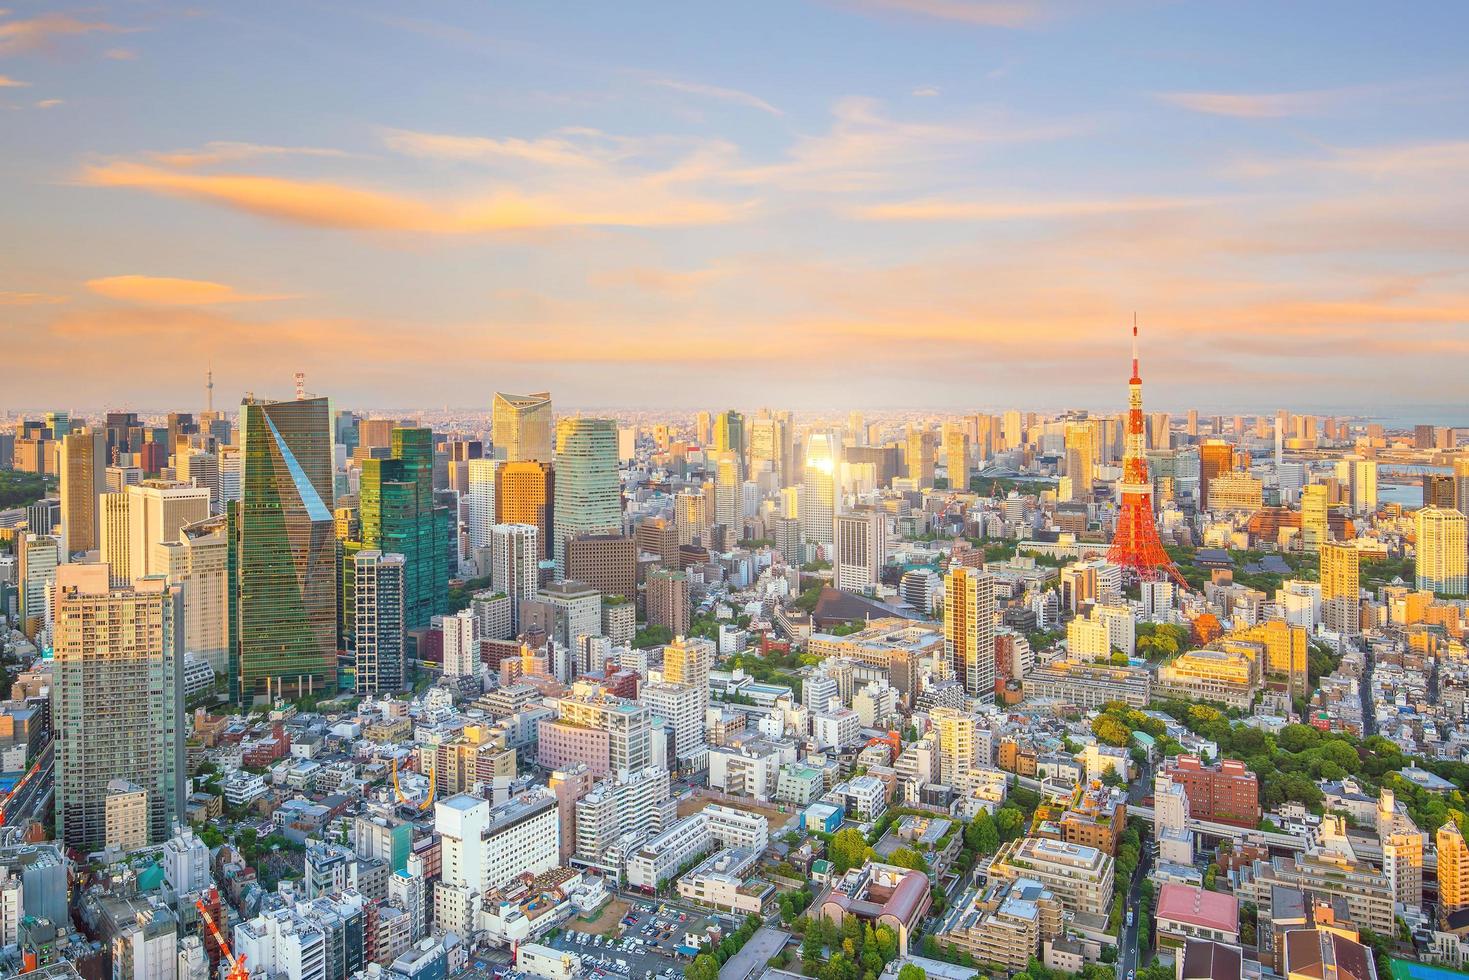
(29, 299)
(8, 82)
(165, 291)
(224, 151)
(327, 204)
(37, 32)
(1264, 105)
(730, 95)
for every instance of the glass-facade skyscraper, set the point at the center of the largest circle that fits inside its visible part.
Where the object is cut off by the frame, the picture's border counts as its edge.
(283, 553)
(396, 505)
(588, 490)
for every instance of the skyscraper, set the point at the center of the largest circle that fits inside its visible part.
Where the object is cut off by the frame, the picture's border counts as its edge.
(860, 549)
(729, 435)
(1341, 587)
(525, 492)
(378, 599)
(956, 456)
(521, 426)
(481, 480)
(284, 559)
(920, 456)
(1315, 523)
(119, 700)
(588, 490)
(40, 556)
(727, 491)
(818, 499)
(83, 478)
(969, 629)
(399, 516)
(1441, 550)
(515, 557)
(157, 510)
(1453, 869)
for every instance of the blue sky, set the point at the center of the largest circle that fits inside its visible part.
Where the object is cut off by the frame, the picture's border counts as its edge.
(880, 203)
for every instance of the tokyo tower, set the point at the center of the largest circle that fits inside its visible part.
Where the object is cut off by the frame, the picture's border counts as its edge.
(1135, 545)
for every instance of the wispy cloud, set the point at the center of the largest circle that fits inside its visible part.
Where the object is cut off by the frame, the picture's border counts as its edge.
(549, 151)
(336, 205)
(39, 32)
(49, 103)
(168, 291)
(730, 95)
(926, 91)
(1257, 105)
(29, 299)
(1388, 161)
(7, 82)
(943, 209)
(980, 13)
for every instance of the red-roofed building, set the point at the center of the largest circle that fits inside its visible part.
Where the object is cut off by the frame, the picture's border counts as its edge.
(1186, 911)
(880, 894)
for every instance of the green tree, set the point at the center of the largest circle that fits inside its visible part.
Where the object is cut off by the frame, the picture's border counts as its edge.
(981, 836)
(911, 972)
(848, 849)
(1009, 822)
(704, 967)
(887, 943)
(906, 857)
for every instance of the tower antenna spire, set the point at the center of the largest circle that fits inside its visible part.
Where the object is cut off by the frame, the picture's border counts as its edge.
(1134, 344)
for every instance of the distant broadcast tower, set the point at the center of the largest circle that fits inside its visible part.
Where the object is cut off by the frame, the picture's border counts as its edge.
(209, 390)
(1135, 544)
(300, 386)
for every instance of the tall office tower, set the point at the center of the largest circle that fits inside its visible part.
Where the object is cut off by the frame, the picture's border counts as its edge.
(399, 516)
(727, 490)
(461, 645)
(284, 542)
(59, 424)
(1216, 457)
(157, 510)
(231, 463)
(969, 629)
(729, 434)
(703, 428)
(1080, 455)
(856, 428)
(118, 478)
(957, 743)
(481, 497)
(1012, 429)
(1192, 427)
(1315, 524)
(525, 492)
(40, 556)
(201, 469)
(667, 600)
(83, 478)
(521, 426)
(1440, 491)
(1341, 588)
(1453, 869)
(344, 430)
(606, 562)
(588, 491)
(861, 549)
(119, 701)
(379, 595)
(1159, 434)
(116, 528)
(375, 433)
(1441, 550)
(1461, 485)
(515, 560)
(819, 496)
(691, 516)
(1136, 548)
(956, 456)
(920, 456)
(687, 661)
(1358, 478)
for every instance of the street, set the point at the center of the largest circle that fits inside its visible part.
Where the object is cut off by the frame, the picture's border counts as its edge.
(1129, 953)
(22, 806)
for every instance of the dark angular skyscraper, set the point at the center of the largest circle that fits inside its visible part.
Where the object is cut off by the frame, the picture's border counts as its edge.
(283, 553)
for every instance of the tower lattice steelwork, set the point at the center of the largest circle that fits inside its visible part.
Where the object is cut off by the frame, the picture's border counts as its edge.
(1135, 544)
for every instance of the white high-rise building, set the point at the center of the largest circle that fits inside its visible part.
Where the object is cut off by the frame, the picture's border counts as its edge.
(1441, 556)
(481, 500)
(818, 497)
(157, 511)
(861, 549)
(969, 630)
(515, 561)
(461, 645)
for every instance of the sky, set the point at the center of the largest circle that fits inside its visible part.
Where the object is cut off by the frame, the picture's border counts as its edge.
(930, 204)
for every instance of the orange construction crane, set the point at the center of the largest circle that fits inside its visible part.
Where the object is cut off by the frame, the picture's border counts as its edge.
(237, 969)
(5, 803)
(398, 793)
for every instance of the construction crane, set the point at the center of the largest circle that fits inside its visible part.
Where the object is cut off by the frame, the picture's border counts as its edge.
(5, 803)
(399, 795)
(237, 969)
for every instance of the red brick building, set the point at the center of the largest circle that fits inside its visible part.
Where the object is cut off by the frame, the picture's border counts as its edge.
(1224, 793)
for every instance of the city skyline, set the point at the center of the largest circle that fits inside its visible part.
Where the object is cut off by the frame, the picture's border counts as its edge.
(938, 206)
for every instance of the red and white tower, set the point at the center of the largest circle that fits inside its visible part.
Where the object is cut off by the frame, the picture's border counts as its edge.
(1135, 544)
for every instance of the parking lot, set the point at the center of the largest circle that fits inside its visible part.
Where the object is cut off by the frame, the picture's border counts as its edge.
(647, 945)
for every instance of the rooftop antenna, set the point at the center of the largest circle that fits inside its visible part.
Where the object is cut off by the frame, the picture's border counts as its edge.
(209, 389)
(300, 386)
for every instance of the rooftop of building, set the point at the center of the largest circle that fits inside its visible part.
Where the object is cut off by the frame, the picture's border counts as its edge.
(1194, 906)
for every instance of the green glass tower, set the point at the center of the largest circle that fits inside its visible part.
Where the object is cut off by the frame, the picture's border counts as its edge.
(396, 502)
(283, 553)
